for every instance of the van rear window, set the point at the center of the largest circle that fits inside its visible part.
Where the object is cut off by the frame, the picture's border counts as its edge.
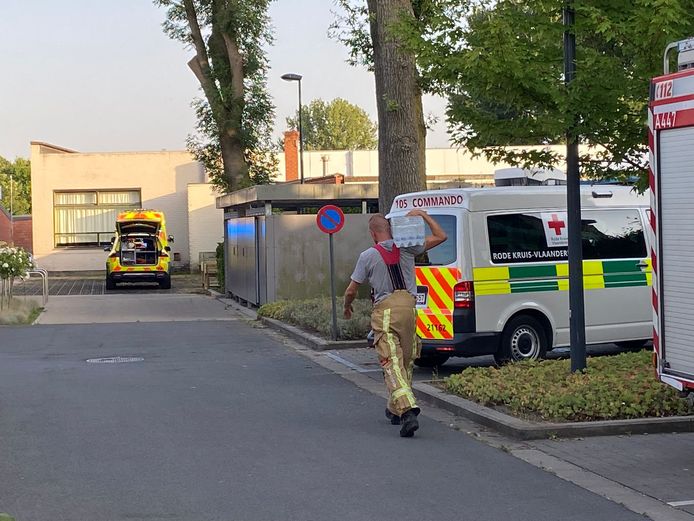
(444, 253)
(537, 237)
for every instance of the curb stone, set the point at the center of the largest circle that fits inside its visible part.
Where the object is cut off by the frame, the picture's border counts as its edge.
(527, 430)
(314, 342)
(310, 340)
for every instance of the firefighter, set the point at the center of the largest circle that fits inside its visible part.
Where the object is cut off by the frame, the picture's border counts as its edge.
(390, 271)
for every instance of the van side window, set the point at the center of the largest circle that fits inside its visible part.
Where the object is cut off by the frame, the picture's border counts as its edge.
(607, 234)
(444, 253)
(613, 234)
(520, 238)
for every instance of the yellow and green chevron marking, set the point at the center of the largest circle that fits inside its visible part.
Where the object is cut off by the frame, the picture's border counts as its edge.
(503, 280)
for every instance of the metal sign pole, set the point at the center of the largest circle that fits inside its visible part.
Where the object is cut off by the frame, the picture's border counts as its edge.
(332, 288)
(577, 324)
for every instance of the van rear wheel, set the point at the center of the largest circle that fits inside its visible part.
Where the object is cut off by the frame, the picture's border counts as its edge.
(165, 283)
(523, 338)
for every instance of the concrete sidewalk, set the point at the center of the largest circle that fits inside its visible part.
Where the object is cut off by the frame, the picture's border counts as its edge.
(115, 308)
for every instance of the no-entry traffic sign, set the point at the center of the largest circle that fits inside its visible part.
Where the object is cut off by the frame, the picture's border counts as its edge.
(330, 219)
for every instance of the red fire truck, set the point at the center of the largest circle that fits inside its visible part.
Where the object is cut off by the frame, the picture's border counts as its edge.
(671, 151)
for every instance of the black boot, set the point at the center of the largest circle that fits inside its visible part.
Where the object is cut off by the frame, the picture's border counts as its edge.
(394, 420)
(409, 423)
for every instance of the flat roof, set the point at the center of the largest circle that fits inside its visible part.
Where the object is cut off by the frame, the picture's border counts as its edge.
(295, 194)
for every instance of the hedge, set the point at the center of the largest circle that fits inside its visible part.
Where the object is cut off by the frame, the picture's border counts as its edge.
(315, 315)
(613, 387)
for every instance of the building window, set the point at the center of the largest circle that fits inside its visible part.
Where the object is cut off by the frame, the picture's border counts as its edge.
(88, 218)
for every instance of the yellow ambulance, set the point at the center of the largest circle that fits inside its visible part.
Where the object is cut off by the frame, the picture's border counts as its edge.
(140, 250)
(499, 284)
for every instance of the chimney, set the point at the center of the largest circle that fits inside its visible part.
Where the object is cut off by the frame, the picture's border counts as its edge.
(325, 159)
(291, 155)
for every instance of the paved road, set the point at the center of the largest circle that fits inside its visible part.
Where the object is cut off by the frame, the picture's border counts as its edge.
(221, 422)
(660, 466)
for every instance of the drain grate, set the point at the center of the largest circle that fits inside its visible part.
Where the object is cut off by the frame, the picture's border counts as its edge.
(115, 360)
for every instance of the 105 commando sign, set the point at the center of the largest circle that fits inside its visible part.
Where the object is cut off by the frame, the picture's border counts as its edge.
(429, 201)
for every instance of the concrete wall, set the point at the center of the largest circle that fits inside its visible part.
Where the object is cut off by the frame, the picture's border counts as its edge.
(205, 221)
(162, 178)
(439, 161)
(298, 255)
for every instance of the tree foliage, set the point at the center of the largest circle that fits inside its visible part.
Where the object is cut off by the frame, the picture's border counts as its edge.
(233, 133)
(501, 65)
(335, 125)
(17, 197)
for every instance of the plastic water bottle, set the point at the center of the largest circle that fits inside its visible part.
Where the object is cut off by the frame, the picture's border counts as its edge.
(408, 231)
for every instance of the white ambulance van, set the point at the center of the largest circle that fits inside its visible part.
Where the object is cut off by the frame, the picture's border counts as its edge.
(499, 284)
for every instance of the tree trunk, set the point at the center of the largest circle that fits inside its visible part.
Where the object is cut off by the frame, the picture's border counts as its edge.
(226, 103)
(401, 129)
(235, 166)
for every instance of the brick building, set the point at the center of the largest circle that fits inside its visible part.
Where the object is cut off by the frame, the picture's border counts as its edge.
(21, 235)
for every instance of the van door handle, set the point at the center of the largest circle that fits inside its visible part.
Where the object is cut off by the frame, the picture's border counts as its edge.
(643, 265)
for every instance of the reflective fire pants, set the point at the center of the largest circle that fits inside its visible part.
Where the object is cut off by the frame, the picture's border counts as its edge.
(395, 338)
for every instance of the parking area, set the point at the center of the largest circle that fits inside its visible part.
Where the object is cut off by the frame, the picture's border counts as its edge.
(95, 285)
(133, 307)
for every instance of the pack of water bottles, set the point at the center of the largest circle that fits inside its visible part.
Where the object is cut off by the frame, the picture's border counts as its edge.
(408, 231)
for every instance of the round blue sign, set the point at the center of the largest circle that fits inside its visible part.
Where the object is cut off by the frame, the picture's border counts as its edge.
(330, 219)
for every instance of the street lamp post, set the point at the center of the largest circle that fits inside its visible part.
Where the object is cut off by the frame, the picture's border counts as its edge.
(12, 209)
(297, 78)
(577, 324)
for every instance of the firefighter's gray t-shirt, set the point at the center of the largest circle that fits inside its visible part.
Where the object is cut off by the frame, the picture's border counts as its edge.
(371, 267)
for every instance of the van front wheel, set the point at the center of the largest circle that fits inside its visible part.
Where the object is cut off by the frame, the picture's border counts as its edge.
(523, 338)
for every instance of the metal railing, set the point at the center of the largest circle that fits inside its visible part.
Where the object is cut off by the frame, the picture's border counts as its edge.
(44, 281)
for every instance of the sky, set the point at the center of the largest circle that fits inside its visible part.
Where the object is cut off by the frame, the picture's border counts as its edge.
(95, 75)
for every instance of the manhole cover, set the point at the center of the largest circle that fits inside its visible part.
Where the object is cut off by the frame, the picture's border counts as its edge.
(115, 360)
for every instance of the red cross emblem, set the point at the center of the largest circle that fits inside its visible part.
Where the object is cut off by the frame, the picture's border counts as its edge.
(556, 224)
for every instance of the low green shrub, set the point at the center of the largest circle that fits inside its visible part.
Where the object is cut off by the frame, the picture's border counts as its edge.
(613, 387)
(316, 315)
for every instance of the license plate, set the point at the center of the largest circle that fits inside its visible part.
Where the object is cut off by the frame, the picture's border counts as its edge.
(422, 296)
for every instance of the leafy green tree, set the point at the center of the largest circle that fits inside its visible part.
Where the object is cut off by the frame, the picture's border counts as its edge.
(337, 125)
(17, 196)
(233, 138)
(369, 30)
(500, 63)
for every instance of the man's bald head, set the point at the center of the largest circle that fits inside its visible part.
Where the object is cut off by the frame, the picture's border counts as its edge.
(379, 228)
